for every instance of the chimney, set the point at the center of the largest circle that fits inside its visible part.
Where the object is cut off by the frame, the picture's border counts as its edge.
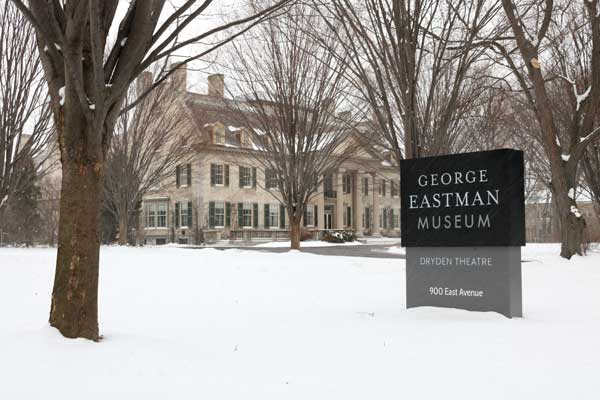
(144, 81)
(179, 77)
(216, 85)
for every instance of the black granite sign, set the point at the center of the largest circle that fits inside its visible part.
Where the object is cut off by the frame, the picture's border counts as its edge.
(473, 199)
(463, 222)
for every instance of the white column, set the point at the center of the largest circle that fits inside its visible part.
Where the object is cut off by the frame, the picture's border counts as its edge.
(376, 210)
(339, 201)
(357, 203)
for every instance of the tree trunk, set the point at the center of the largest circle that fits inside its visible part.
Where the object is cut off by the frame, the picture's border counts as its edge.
(74, 309)
(123, 229)
(572, 225)
(295, 232)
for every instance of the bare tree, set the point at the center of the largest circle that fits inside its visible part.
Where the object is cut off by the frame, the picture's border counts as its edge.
(87, 89)
(564, 128)
(290, 86)
(404, 61)
(148, 144)
(25, 113)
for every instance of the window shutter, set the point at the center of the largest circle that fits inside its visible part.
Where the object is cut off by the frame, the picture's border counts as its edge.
(254, 178)
(282, 216)
(228, 215)
(211, 214)
(177, 205)
(240, 173)
(212, 174)
(240, 211)
(177, 176)
(226, 173)
(255, 215)
(316, 212)
(267, 220)
(189, 174)
(190, 219)
(304, 218)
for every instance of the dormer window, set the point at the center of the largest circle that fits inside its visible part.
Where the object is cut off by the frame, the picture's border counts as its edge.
(219, 137)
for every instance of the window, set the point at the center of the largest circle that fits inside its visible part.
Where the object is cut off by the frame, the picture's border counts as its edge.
(328, 186)
(156, 215)
(396, 218)
(347, 183)
(382, 185)
(270, 179)
(309, 215)
(183, 213)
(151, 215)
(219, 214)
(217, 174)
(219, 136)
(183, 176)
(247, 215)
(365, 186)
(161, 221)
(394, 188)
(347, 216)
(367, 218)
(247, 176)
(274, 215)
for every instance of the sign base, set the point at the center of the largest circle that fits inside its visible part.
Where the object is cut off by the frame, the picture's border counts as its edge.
(469, 278)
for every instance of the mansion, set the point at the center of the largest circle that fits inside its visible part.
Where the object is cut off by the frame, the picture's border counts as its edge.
(223, 193)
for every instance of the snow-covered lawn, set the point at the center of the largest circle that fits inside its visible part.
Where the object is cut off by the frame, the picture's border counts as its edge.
(235, 324)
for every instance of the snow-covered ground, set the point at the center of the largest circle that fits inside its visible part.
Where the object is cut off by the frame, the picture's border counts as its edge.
(235, 324)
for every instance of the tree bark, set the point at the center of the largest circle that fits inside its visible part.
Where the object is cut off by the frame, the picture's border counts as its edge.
(123, 229)
(74, 309)
(295, 232)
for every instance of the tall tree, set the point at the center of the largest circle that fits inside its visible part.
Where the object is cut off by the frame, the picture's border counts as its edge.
(148, 144)
(403, 59)
(88, 73)
(564, 132)
(290, 85)
(25, 119)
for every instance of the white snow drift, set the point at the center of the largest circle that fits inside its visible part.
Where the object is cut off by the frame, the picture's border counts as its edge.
(209, 324)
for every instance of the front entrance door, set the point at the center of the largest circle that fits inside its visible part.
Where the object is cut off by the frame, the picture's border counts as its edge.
(328, 217)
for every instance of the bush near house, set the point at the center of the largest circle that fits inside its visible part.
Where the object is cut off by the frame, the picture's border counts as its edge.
(338, 236)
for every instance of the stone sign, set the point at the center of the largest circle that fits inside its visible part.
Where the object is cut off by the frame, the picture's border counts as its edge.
(463, 222)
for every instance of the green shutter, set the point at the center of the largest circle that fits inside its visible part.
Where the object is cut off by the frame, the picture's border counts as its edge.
(228, 215)
(240, 177)
(305, 215)
(240, 211)
(212, 175)
(316, 213)
(267, 221)
(177, 176)
(281, 216)
(226, 173)
(189, 174)
(177, 206)
(255, 215)
(190, 220)
(211, 214)
(254, 177)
